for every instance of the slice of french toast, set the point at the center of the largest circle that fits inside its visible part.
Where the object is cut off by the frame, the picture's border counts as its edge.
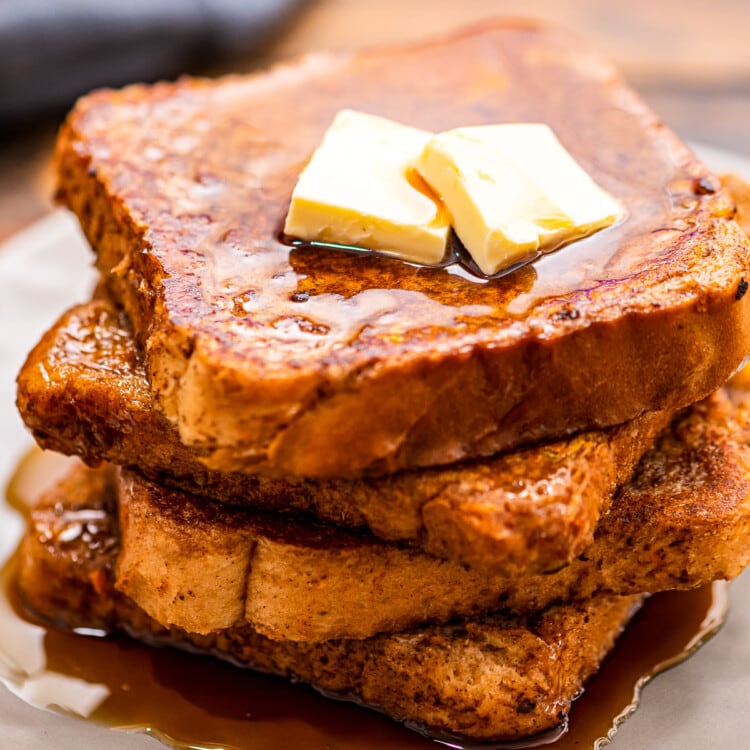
(682, 521)
(320, 363)
(499, 676)
(83, 391)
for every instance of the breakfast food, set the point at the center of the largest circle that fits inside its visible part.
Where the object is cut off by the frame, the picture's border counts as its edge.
(439, 494)
(497, 676)
(204, 567)
(530, 510)
(509, 191)
(328, 364)
(513, 191)
(504, 677)
(357, 190)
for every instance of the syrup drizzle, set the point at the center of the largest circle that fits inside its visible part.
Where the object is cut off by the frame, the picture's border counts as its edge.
(191, 702)
(457, 260)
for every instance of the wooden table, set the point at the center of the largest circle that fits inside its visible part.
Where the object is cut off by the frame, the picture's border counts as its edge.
(691, 61)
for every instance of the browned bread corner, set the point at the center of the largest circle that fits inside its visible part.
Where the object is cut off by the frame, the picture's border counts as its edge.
(324, 364)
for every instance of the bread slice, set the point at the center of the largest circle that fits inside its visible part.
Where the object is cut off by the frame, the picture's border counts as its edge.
(321, 363)
(83, 391)
(496, 677)
(683, 520)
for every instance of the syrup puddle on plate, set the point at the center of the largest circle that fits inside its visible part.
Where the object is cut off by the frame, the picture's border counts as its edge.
(191, 702)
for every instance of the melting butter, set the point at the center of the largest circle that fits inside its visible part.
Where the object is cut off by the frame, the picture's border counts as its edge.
(510, 192)
(513, 191)
(358, 190)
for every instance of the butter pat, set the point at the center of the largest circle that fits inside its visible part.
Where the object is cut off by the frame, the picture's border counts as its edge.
(360, 188)
(513, 190)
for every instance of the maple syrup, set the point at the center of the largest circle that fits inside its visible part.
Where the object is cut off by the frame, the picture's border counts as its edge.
(193, 701)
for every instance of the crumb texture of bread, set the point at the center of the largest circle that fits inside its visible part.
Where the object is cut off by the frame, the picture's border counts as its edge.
(323, 364)
(494, 677)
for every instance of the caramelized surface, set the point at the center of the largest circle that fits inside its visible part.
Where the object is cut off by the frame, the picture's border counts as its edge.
(211, 169)
(83, 391)
(318, 362)
(681, 522)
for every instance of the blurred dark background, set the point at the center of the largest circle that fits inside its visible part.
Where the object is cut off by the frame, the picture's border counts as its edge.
(51, 51)
(690, 60)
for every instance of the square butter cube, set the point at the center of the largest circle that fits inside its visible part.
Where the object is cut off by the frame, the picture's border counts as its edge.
(535, 149)
(512, 190)
(360, 188)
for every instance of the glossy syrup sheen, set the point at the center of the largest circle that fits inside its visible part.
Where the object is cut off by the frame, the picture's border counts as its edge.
(210, 170)
(193, 701)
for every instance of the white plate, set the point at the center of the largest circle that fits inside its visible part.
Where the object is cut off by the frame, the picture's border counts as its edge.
(703, 703)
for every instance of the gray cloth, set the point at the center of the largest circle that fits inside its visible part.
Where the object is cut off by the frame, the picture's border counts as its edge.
(51, 51)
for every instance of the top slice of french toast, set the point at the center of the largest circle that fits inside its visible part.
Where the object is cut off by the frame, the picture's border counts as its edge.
(320, 363)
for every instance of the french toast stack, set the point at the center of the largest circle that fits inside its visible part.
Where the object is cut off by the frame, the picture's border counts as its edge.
(440, 495)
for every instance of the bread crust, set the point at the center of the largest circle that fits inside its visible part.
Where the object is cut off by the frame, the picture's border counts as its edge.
(83, 391)
(491, 678)
(324, 364)
(681, 522)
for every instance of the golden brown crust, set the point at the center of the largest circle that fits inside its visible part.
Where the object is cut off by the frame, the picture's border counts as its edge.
(494, 677)
(322, 364)
(683, 521)
(83, 391)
